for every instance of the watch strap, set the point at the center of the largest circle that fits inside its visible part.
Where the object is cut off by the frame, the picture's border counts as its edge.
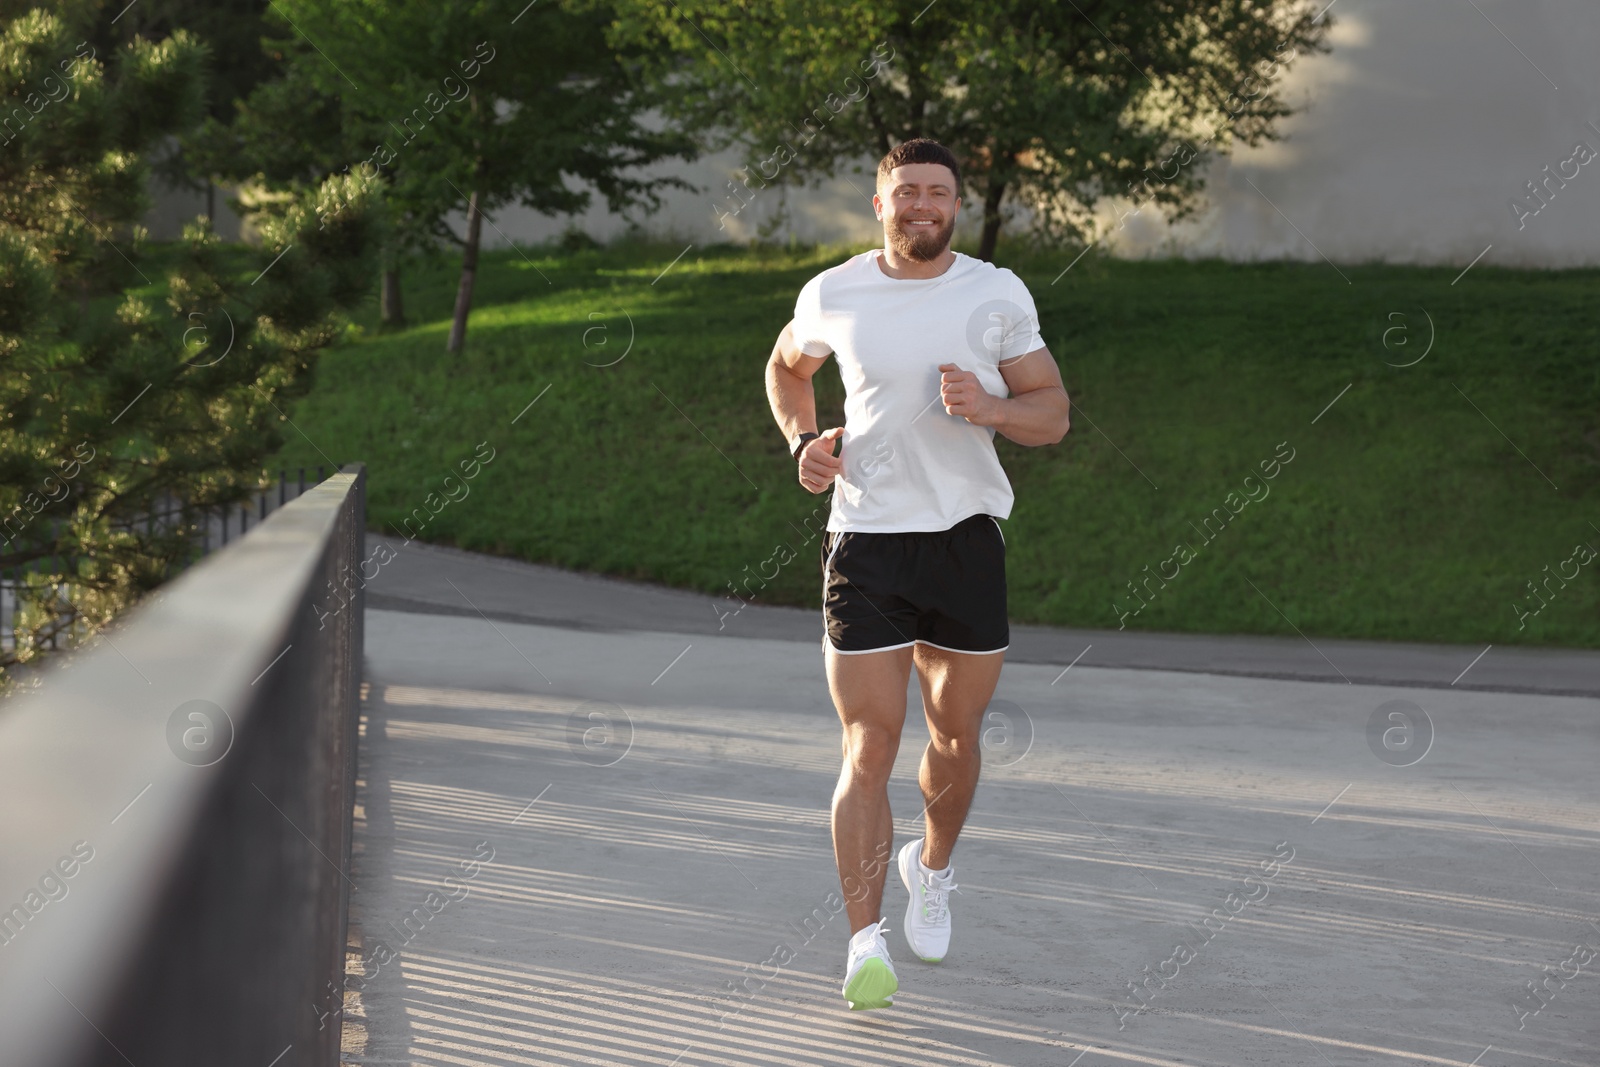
(800, 442)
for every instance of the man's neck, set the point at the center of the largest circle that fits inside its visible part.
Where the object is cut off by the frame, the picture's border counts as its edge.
(900, 267)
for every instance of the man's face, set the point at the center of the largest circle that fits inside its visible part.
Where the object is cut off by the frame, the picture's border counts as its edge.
(918, 206)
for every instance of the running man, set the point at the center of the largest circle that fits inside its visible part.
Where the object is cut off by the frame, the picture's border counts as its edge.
(930, 342)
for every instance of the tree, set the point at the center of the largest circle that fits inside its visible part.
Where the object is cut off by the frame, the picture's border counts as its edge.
(1053, 106)
(478, 104)
(112, 407)
(288, 136)
(231, 29)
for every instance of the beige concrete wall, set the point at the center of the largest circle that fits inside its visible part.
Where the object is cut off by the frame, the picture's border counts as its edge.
(172, 209)
(1418, 130)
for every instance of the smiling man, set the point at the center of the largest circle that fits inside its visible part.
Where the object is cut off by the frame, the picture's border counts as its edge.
(938, 351)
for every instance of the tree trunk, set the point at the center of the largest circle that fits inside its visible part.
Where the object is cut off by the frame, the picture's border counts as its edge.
(211, 204)
(389, 299)
(991, 220)
(469, 273)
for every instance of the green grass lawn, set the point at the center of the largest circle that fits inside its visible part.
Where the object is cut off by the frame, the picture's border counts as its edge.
(1417, 507)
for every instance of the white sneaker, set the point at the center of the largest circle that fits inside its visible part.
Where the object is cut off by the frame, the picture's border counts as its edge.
(928, 913)
(869, 980)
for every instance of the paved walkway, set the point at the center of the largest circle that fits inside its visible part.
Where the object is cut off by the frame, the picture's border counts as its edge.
(448, 581)
(576, 837)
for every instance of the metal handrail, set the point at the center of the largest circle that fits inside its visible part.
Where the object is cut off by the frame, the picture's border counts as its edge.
(208, 530)
(175, 813)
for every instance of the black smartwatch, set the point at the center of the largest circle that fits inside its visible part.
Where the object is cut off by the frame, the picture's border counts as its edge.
(800, 443)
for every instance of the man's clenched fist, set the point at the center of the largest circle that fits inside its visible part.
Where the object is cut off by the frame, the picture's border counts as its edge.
(818, 464)
(963, 396)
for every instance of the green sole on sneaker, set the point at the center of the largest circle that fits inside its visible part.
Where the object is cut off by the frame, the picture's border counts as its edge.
(872, 987)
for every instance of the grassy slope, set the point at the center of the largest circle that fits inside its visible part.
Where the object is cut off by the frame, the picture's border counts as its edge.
(1404, 513)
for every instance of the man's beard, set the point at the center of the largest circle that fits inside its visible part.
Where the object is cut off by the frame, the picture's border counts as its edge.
(921, 245)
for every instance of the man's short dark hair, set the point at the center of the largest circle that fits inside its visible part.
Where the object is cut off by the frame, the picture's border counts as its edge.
(919, 150)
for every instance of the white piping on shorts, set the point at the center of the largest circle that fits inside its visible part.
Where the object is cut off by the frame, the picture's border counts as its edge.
(864, 651)
(827, 565)
(1002, 534)
(829, 562)
(908, 644)
(963, 651)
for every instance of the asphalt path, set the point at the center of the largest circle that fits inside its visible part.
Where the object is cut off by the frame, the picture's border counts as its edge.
(593, 828)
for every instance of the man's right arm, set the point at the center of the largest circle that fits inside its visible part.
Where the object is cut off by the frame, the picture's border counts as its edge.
(794, 408)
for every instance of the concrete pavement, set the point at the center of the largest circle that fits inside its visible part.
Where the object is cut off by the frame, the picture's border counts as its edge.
(439, 580)
(643, 811)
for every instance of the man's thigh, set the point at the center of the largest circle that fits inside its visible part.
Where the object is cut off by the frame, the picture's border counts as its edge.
(869, 688)
(956, 688)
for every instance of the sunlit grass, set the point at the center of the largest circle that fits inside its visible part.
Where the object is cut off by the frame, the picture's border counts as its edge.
(1406, 513)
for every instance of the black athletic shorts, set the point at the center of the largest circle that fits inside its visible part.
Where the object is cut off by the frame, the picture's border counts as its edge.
(890, 590)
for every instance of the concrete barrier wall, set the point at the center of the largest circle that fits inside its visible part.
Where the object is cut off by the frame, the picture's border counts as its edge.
(175, 813)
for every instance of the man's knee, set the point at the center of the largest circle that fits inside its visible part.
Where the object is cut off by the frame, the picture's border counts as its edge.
(870, 750)
(963, 743)
(955, 697)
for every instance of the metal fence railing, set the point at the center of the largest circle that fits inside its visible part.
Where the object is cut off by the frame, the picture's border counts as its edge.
(175, 814)
(209, 529)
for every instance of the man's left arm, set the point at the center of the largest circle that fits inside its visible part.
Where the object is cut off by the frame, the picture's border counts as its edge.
(1036, 413)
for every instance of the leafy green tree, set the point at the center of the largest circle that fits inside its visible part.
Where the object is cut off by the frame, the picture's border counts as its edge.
(1054, 106)
(113, 407)
(286, 137)
(470, 104)
(232, 31)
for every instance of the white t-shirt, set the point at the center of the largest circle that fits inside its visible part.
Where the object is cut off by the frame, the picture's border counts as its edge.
(909, 465)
